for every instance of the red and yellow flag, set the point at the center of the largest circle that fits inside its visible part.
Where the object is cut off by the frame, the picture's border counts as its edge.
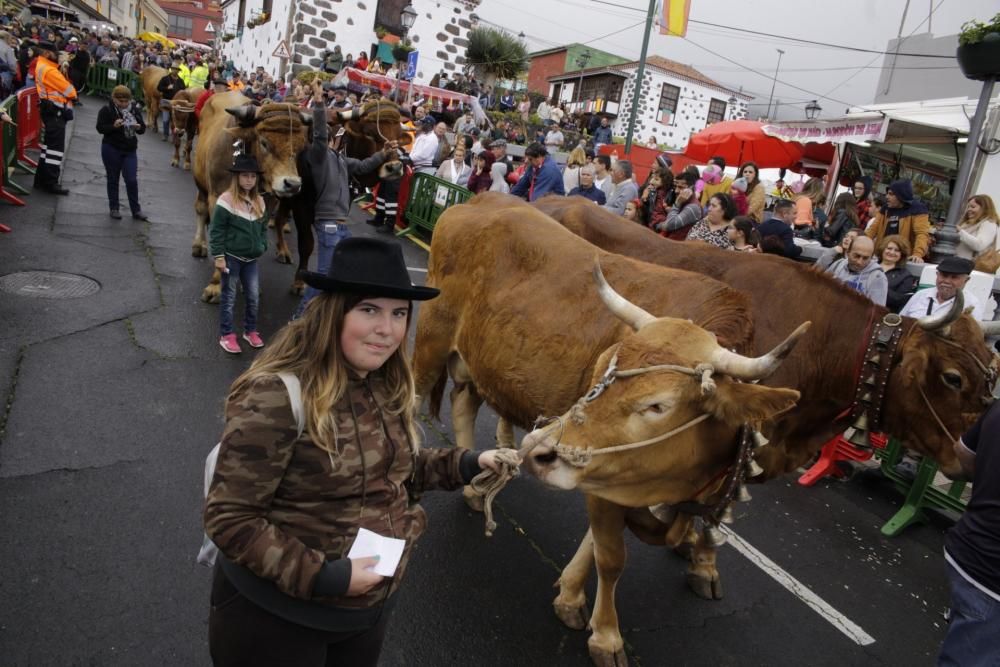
(674, 17)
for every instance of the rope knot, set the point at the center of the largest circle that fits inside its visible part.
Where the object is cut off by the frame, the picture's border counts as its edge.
(576, 414)
(707, 383)
(488, 483)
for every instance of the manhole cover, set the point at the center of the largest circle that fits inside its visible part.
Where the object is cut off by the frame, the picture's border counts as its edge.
(48, 285)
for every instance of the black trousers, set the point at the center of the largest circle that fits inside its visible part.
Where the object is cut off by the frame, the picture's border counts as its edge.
(53, 143)
(241, 634)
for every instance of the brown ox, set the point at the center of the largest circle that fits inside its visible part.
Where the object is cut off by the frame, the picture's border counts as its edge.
(150, 77)
(937, 368)
(520, 325)
(274, 134)
(366, 131)
(185, 124)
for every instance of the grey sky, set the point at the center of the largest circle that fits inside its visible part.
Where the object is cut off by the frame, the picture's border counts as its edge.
(833, 75)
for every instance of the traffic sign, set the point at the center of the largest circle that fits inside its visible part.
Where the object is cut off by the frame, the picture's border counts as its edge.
(210, 27)
(281, 51)
(411, 64)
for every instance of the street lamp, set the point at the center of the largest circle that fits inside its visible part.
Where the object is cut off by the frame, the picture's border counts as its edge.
(474, 19)
(813, 109)
(581, 62)
(773, 83)
(732, 106)
(407, 18)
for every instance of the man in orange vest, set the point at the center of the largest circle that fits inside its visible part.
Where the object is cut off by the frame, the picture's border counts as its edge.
(55, 104)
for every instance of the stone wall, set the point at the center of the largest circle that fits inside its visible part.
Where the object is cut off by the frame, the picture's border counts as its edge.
(692, 108)
(439, 34)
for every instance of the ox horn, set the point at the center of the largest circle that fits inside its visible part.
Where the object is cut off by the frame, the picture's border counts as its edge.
(350, 114)
(942, 323)
(623, 309)
(307, 118)
(991, 328)
(244, 113)
(757, 368)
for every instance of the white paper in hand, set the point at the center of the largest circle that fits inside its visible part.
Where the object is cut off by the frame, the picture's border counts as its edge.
(388, 549)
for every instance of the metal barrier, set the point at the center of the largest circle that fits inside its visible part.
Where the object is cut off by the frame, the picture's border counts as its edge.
(8, 155)
(102, 79)
(29, 127)
(429, 197)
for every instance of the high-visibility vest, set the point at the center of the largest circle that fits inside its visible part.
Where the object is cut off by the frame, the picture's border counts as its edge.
(185, 74)
(52, 85)
(198, 77)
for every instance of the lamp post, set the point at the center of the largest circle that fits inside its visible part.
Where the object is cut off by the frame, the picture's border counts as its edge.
(581, 62)
(813, 109)
(774, 83)
(407, 18)
(732, 107)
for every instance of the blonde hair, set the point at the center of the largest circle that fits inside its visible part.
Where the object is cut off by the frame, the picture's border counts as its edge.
(577, 157)
(252, 199)
(988, 210)
(309, 347)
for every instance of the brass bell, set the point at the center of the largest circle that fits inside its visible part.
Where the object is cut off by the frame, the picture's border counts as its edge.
(870, 380)
(759, 440)
(866, 397)
(664, 513)
(857, 437)
(712, 536)
(861, 423)
(742, 495)
(727, 516)
(874, 358)
(753, 468)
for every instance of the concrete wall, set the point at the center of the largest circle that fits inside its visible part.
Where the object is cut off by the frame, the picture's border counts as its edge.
(917, 79)
(692, 108)
(439, 34)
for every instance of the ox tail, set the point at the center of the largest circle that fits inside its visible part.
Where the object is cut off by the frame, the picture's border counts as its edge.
(437, 393)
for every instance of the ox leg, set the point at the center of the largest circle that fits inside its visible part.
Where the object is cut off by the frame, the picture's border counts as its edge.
(505, 434)
(188, 151)
(199, 247)
(281, 251)
(571, 603)
(212, 291)
(703, 577)
(607, 523)
(465, 403)
(176, 160)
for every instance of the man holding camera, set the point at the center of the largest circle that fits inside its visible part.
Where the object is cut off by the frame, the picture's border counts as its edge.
(55, 105)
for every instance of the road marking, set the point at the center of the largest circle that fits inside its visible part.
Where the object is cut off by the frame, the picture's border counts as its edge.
(419, 243)
(799, 590)
(418, 270)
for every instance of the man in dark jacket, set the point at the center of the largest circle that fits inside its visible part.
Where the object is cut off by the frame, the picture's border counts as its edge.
(905, 215)
(169, 86)
(587, 188)
(542, 176)
(602, 135)
(776, 234)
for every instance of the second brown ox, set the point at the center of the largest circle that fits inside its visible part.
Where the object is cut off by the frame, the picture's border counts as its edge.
(520, 325)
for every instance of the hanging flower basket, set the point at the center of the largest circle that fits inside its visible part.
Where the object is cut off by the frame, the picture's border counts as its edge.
(981, 60)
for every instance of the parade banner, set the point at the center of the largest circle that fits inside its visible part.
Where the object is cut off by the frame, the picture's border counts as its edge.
(386, 84)
(855, 130)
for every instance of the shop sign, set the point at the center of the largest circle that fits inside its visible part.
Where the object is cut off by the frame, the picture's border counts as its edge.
(856, 130)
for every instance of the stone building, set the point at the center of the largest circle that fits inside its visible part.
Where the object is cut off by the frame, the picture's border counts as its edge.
(676, 100)
(310, 28)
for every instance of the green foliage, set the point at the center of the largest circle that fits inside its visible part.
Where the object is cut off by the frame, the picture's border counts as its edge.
(496, 52)
(975, 31)
(307, 77)
(380, 31)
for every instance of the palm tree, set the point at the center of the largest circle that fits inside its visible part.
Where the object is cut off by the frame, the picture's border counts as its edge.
(496, 55)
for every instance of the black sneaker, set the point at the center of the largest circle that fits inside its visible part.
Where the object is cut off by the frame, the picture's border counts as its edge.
(115, 214)
(56, 190)
(139, 215)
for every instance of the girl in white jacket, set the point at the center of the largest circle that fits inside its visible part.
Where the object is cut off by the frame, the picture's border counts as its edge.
(978, 229)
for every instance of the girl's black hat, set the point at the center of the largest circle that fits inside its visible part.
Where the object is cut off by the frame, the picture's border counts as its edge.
(369, 267)
(245, 164)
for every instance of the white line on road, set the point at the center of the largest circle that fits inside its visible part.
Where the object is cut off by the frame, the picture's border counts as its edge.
(799, 590)
(413, 268)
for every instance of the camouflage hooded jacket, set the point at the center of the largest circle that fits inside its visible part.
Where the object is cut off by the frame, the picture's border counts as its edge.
(281, 506)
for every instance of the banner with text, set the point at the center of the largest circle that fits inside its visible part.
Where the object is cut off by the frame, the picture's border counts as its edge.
(856, 130)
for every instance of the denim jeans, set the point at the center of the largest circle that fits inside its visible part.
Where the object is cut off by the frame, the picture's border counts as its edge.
(245, 273)
(118, 163)
(165, 117)
(328, 234)
(972, 639)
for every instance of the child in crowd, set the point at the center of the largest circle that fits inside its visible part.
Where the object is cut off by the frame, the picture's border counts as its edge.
(738, 193)
(237, 237)
(632, 211)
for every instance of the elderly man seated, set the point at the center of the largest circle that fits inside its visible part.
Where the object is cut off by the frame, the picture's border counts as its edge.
(857, 270)
(952, 275)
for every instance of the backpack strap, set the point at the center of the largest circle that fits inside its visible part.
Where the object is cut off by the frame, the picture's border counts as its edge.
(295, 398)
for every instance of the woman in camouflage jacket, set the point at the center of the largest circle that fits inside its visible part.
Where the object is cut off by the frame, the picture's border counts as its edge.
(284, 510)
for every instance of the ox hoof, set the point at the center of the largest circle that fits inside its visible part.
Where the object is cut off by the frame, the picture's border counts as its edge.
(684, 550)
(472, 499)
(574, 618)
(199, 251)
(173, 163)
(707, 589)
(284, 258)
(604, 658)
(287, 229)
(270, 224)
(298, 287)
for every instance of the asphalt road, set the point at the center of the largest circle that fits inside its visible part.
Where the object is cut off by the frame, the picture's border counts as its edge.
(113, 400)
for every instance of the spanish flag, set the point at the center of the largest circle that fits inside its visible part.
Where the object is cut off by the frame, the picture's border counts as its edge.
(674, 17)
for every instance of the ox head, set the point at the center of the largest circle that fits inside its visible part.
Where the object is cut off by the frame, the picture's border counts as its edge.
(944, 372)
(704, 411)
(181, 114)
(275, 134)
(369, 127)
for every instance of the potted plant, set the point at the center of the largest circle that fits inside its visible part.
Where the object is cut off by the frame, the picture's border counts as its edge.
(979, 49)
(402, 51)
(380, 31)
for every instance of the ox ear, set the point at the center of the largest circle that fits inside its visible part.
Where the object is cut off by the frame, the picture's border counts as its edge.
(738, 403)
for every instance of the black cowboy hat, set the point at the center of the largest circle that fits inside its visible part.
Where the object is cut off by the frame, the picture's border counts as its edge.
(369, 267)
(245, 164)
(956, 265)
